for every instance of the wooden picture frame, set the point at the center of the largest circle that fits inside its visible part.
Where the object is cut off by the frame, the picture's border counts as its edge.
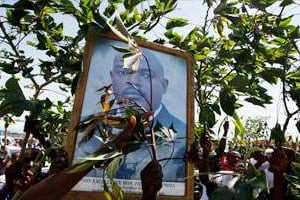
(177, 66)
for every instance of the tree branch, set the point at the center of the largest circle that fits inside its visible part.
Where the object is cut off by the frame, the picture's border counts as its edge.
(10, 42)
(38, 90)
(153, 25)
(209, 93)
(198, 80)
(205, 21)
(284, 92)
(12, 45)
(287, 120)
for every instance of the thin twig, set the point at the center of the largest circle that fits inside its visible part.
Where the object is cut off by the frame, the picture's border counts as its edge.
(38, 90)
(209, 93)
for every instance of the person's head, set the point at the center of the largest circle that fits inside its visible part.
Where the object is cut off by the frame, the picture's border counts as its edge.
(234, 158)
(135, 86)
(259, 160)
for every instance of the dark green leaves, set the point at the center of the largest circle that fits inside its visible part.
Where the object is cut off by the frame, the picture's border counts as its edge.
(9, 68)
(248, 187)
(223, 193)
(100, 156)
(81, 167)
(13, 87)
(18, 11)
(239, 82)
(295, 95)
(67, 6)
(277, 134)
(165, 6)
(121, 49)
(262, 4)
(176, 22)
(255, 101)
(45, 43)
(285, 22)
(112, 168)
(271, 74)
(286, 3)
(174, 37)
(12, 99)
(252, 184)
(239, 128)
(207, 116)
(227, 101)
(130, 4)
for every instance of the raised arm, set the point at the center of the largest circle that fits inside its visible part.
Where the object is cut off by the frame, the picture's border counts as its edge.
(222, 144)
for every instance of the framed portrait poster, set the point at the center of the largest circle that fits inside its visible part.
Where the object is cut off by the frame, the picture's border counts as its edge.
(162, 84)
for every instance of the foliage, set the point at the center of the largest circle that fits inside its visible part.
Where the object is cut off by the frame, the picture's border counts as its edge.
(256, 47)
(247, 187)
(293, 187)
(31, 26)
(257, 128)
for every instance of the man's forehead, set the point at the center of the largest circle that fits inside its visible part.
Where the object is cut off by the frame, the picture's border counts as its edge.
(151, 59)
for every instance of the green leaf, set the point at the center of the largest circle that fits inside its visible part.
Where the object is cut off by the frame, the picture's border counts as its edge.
(121, 49)
(232, 18)
(9, 68)
(14, 88)
(81, 167)
(174, 38)
(14, 101)
(199, 57)
(285, 22)
(67, 6)
(130, 4)
(117, 191)
(256, 101)
(109, 10)
(222, 193)
(99, 156)
(215, 107)
(254, 182)
(238, 125)
(207, 116)
(239, 82)
(166, 6)
(6, 108)
(118, 33)
(107, 195)
(101, 21)
(113, 166)
(220, 7)
(176, 22)
(295, 95)
(227, 101)
(262, 4)
(220, 27)
(268, 76)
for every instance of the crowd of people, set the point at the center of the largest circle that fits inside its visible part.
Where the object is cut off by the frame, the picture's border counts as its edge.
(274, 161)
(22, 174)
(24, 177)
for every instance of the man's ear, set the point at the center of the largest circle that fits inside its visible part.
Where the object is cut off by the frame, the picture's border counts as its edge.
(165, 84)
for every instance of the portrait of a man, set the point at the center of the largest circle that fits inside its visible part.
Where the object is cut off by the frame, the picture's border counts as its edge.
(159, 85)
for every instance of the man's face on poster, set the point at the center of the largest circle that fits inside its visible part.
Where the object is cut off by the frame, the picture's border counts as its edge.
(135, 86)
